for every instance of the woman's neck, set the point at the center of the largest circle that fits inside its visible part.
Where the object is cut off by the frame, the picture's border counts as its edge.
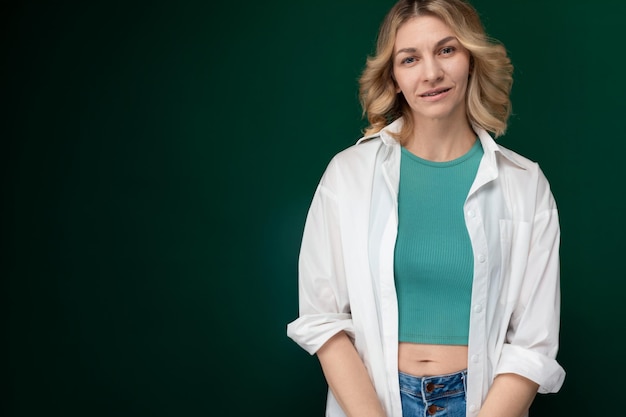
(440, 141)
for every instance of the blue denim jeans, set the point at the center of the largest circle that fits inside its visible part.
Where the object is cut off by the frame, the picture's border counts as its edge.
(440, 396)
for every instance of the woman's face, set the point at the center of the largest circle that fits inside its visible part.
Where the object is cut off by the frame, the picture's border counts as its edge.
(431, 69)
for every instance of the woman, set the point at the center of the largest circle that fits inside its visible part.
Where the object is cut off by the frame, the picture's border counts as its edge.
(429, 266)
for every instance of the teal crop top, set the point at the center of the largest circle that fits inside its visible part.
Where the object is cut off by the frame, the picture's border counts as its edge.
(433, 259)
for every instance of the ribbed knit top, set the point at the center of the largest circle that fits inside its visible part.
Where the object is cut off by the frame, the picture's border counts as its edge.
(434, 260)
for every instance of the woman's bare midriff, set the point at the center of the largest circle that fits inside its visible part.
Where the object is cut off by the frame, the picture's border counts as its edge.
(428, 360)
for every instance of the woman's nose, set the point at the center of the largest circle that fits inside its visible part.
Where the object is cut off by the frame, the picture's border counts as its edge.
(432, 70)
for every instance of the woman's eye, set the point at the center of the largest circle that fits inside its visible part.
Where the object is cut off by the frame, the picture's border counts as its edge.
(447, 50)
(408, 60)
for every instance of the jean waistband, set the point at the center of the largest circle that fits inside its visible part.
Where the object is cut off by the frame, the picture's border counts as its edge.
(432, 387)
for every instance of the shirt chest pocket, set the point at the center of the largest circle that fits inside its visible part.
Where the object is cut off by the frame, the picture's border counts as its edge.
(515, 239)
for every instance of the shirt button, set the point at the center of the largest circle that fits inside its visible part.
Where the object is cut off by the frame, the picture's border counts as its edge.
(478, 308)
(472, 408)
(475, 358)
(481, 258)
(471, 214)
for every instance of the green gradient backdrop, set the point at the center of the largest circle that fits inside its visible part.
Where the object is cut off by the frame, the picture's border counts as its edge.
(158, 160)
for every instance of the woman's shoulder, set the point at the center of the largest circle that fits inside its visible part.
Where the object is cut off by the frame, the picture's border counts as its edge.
(360, 152)
(354, 165)
(368, 147)
(518, 159)
(522, 167)
(508, 157)
(525, 178)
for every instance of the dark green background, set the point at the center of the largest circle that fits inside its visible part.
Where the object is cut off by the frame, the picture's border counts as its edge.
(158, 159)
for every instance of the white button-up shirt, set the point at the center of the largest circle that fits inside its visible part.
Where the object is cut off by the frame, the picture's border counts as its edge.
(346, 279)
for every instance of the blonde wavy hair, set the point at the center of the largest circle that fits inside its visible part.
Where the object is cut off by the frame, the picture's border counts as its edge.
(488, 102)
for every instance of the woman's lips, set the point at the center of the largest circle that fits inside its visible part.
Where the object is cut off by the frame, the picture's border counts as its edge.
(435, 93)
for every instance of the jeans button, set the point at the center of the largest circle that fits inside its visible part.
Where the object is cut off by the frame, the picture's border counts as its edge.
(430, 387)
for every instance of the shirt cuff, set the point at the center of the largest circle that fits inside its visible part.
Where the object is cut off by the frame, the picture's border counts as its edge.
(533, 365)
(312, 331)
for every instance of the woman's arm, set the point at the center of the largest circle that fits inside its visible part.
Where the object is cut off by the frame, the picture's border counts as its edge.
(510, 396)
(348, 379)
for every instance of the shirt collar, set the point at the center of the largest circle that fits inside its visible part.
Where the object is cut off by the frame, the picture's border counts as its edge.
(385, 134)
(489, 145)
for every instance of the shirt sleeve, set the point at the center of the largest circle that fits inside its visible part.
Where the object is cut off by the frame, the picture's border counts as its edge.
(324, 308)
(532, 339)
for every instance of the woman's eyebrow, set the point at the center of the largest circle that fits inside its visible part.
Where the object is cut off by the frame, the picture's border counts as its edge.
(407, 50)
(438, 44)
(445, 40)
